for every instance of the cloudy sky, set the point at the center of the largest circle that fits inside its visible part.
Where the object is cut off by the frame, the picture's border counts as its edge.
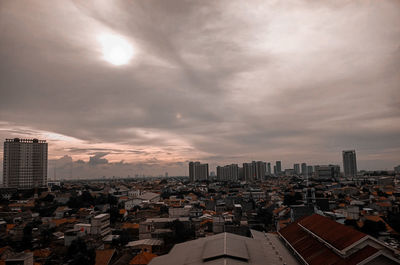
(215, 81)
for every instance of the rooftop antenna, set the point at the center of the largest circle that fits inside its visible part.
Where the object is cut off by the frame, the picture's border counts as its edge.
(55, 170)
(70, 172)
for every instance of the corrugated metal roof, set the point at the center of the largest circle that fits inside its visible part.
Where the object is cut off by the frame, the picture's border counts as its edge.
(225, 246)
(150, 242)
(240, 251)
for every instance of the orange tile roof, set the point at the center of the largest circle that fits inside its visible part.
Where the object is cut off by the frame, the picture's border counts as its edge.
(10, 226)
(277, 210)
(103, 256)
(130, 225)
(384, 204)
(3, 249)
(41, 253)
(58, 222)
(143, 258)
(122, 211)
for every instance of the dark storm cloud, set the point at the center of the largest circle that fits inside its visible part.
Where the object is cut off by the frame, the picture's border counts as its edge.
(227, 81)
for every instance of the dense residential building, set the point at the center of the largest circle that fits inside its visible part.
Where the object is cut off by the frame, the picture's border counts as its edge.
(327, 172)
(25, 163)
(101, 224)
(349, 163)
(198, 171)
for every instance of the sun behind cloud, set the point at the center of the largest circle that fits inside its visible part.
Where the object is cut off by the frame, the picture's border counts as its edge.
(116, 50)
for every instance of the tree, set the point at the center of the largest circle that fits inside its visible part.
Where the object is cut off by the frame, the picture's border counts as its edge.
(78, 253)
(373, 228)
(27, 237)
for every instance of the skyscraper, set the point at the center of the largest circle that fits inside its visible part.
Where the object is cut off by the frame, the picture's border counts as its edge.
(296, 168)
(260, 169)
(349, 163)
(198, 171)
(269, 168)
(278, 167)
(310, 170)
(248, 171)
(304, 169)
(25, 163)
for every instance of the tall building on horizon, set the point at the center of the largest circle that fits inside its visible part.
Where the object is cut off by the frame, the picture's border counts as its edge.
(25, 163)
(278, 167)
(304, 169)
(296, 168)
(198, 171)
(228, 173)
(310, 171)
(248, 171)
(349, 163)
(269, 168)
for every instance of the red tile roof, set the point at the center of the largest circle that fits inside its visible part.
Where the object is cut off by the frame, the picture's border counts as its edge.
(337, 235)
(142, 258)
(315, 252)
(103, 256)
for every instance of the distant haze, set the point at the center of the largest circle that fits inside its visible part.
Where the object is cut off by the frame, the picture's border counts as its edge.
(215, 81)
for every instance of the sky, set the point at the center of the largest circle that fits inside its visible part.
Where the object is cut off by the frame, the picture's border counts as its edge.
(216, 81)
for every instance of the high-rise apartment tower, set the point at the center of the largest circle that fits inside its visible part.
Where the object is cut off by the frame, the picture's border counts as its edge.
(349, 163)
(25, 163)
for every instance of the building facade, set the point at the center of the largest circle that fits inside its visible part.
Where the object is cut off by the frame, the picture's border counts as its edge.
(25, 163)
(327, 172)
(228, 173)
(349, 163)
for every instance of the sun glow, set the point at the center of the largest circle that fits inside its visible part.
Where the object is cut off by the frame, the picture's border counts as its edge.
(116, 50)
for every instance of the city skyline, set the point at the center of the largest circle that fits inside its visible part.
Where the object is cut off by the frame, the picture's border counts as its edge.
(219, 82)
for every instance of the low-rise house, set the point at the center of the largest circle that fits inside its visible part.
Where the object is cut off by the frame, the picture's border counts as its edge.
(150, 197)
(149, 226)
(61, 211)
(84, 229)
(148, 245)
(176, 212)
(24, 258)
